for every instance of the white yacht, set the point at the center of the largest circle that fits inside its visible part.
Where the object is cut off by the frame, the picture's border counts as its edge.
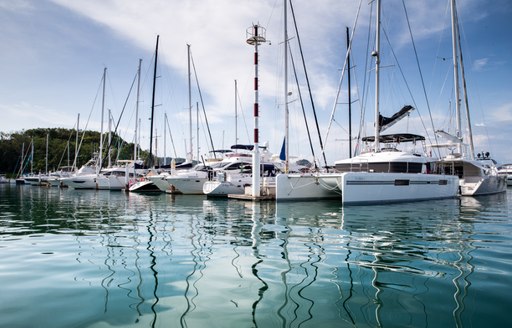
(84, 178)
(384, 176)
(118, 176)
(229, 181)
(506, 170)
(377, 175)
(478, 176)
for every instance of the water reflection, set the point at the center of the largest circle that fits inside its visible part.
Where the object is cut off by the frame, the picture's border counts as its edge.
(185, 261)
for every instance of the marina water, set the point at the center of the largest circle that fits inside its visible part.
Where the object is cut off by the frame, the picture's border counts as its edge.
(72, 258)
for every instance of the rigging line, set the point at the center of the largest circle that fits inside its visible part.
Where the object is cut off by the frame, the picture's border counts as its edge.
(464, 88)
(342, 74)
(422, 80)
(309, 89)
(120, 116)
(170, 135)
(202, 104)
(302, 106)
(366, 86)
(71, 133)
(243, 117)
(403, 76)
(86, 124)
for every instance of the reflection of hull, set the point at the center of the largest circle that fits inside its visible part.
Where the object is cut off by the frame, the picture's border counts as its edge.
(144, 186)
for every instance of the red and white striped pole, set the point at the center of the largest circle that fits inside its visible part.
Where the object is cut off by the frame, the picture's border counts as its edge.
(256, 36)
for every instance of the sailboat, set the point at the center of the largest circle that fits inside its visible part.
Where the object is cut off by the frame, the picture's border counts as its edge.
(146, 185)
(88, 176)
(478, 176)
(378, 175)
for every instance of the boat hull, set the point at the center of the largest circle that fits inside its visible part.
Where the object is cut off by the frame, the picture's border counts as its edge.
(373, 188)
(144, 186)
(355, 188)
(312, 186)
(80, 182)
(487, 185)
(189, 185)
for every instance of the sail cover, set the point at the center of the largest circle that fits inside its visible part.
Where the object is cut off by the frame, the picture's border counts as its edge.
(386, 122)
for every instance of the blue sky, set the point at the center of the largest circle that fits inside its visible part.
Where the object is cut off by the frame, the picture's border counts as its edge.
(54, 51)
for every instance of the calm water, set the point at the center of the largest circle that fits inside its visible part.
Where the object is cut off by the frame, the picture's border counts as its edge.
(102, 259)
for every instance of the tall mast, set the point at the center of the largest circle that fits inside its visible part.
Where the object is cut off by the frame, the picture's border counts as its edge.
(349, 98)
(32, 155)
(197, 131)
(376, 54)
(189, 155)
(46, 158)
(286, 111)
(150, 160)
(456, 78)
(100, 158)
(165, 139)
(236, 113)
(75, 164)
(135, 139)
(109, 138)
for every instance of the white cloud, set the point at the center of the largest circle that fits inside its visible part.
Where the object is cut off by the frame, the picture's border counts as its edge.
(480, 64)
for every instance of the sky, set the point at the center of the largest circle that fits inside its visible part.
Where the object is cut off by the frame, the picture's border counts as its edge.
(54, 53)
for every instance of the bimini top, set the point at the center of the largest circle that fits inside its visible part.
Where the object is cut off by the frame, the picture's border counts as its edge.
(244, 147)
(399, 137)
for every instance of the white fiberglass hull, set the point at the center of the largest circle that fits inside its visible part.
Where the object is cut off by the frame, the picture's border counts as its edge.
(486, 185)
(160, 181)
(80, 182)
(188, 185)
(234, 184)
(365, 188)
(144, 186)
(111, 183)
(308, 186)
(222, 189)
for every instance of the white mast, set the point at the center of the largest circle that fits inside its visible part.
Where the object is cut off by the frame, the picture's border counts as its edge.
(100, 159)
(286, 111)
(75, 161)
(376, 54)
(165, 139)
(236, 113)
(197, 131)
(456, 78)
(109, 138)
(135, 136)
(46, 158)
(190, 152)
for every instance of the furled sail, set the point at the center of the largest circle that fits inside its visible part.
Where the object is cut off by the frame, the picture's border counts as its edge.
(386, 122)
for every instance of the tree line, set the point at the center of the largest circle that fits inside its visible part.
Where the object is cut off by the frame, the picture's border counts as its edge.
(61, 149)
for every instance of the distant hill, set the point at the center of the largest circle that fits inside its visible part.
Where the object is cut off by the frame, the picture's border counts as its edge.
(61, 149)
